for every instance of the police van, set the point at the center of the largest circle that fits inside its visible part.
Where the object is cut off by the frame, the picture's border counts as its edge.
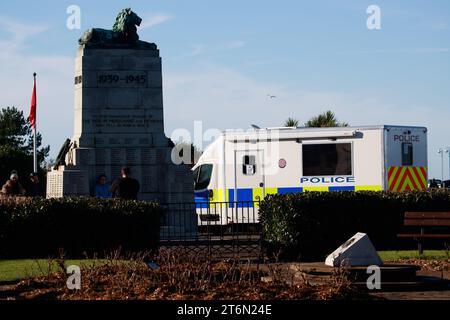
(240, 168)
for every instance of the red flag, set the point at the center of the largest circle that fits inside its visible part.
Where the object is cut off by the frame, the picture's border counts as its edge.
(32, 116)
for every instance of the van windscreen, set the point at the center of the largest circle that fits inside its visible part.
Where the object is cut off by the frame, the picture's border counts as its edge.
(329, 159)
(203, 177)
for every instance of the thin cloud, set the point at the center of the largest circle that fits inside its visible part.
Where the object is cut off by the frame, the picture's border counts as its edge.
(398, 51)
(236, 44)
(204, 49)
(55, 76)
(197, 49)
(439, 25)
(19, 31)
(225, 98)
(154, 20)
(433, 50)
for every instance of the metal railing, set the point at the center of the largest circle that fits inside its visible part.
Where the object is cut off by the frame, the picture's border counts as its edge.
(215, 228)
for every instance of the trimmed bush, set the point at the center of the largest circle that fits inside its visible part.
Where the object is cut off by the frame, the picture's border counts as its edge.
(35, 228)
(310, 225)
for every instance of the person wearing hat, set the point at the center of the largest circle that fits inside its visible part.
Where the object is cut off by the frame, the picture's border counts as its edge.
(12, 187)
(34, 188)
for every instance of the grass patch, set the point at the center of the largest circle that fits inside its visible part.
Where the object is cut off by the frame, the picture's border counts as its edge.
(13, 270)
(414, 254)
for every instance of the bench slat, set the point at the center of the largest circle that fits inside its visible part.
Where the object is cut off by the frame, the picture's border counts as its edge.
(427, 215)
(427, 222)
(418, 235)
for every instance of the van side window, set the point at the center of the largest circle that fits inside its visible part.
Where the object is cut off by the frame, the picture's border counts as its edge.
(331, 159)
(204, 176)
(249, 165)
(407, 154)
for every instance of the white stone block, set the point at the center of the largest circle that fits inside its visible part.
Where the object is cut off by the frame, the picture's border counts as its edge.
(357, 251)
(67, 182)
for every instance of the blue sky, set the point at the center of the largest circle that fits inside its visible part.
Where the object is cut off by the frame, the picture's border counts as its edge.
(222, 58)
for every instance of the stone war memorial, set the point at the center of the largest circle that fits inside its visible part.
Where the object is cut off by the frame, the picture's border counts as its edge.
(119, 119)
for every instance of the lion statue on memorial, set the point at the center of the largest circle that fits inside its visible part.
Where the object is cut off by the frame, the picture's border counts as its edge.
(124, 31)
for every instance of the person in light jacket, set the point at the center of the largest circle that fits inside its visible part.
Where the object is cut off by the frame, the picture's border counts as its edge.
(12, 187)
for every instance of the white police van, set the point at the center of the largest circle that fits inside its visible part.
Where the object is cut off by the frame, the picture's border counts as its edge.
(240, 168)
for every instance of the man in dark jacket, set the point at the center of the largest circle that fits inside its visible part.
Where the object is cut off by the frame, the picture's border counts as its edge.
(34, 188)
(126, 187)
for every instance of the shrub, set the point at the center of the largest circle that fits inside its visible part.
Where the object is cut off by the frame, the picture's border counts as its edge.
(41, 227)
(311, 225)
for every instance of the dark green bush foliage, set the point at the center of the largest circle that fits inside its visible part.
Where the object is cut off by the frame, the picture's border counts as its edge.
(34, 228)
(310, 225)
(16, 145)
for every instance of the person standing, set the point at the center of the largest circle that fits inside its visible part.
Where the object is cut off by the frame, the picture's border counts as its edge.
(12, 187)
(34, 188)
(102, 188)
(125, 188)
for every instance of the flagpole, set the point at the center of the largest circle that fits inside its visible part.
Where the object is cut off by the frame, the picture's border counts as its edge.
(35, 166)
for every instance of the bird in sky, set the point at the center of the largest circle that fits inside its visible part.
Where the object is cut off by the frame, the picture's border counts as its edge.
(271, 96)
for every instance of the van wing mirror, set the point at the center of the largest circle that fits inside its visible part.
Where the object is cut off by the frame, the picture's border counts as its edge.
(211, 194)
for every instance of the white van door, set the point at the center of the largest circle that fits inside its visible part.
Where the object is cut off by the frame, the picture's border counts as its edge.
(249, 176)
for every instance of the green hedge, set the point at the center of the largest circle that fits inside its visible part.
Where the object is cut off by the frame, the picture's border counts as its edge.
(310, 225)
(34, 228)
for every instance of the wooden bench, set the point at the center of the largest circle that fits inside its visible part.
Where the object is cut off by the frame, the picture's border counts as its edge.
(426, 220)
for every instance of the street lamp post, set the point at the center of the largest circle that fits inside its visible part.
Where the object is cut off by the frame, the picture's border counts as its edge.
(447, 150)
(441, 152)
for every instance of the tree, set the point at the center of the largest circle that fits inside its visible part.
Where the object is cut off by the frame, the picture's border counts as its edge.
(291, 122)
(326, 119)
(16, 144)
(194, 152)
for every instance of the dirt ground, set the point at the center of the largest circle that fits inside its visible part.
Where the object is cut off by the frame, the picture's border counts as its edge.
(318, 275)
(414, 295)
(420, 295)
